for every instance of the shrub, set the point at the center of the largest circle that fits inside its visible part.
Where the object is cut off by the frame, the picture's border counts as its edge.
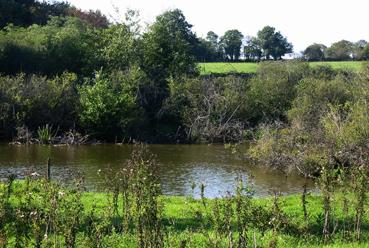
(208, 108)
(272, 91)
(109, 104)
(34, 101)
(313, 98)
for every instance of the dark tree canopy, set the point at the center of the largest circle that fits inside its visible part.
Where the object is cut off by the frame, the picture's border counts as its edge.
(27, 12)
(341, 50)
(365, 52)
(168, 51)
(358, 49)
(205, 51)
(64, 44)
(252, 49)
(315, 52)
(273, 43)
(169, 46)
(94, 18)
(231, 42)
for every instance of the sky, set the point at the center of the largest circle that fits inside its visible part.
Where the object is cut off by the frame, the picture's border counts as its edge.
(303, 22)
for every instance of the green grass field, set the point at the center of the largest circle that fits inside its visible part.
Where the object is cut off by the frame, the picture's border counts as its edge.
(248, 67)
(180, 216)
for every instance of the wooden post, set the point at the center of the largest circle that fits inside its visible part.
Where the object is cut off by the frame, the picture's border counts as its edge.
(48, 176)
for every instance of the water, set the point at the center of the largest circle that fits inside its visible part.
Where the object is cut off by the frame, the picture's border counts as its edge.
(180, 166)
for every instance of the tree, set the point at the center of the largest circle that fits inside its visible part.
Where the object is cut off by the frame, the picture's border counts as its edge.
(168, 47)
(28, 12)
(118, 48)
(232, 41)
(273, 43)
(358, 49)
(365, 53)
(341, 50)
(205, 52)
(64, 44)
(213, 38)
(109, 105)
(94, 18)
(168, 51)
(252, 49)
(315, 52)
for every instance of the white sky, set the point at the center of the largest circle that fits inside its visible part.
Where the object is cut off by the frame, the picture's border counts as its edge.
(303, 22)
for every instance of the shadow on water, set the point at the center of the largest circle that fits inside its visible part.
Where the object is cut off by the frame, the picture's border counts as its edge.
(180, 166)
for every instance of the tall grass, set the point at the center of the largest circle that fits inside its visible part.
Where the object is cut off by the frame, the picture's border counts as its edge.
(36, 212)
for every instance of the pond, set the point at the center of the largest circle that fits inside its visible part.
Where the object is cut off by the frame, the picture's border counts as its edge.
(180, 166)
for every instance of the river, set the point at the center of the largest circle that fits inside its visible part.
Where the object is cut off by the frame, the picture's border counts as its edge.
(179, 166)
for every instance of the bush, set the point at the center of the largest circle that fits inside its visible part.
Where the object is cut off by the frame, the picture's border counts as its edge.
(208, 108)
(109, 104)
(35, 101)
(64, 44)
(272, 90)
(314, 97)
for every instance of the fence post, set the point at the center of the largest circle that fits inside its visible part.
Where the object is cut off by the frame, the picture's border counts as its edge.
(48, 176)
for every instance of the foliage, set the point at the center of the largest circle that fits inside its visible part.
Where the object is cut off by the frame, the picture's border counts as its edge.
(206, 51)
(326, 137)
(365, 52)
(64, 44)
(340, 50)
(28, 12)
(45, 134)
(168, 47)
(252, 49)
(273, 43)
(109, 106)
(70, 217)
(315, 52)
(35, 101)
(94, 18)
(119, 49)
(208, 108)
(358, 52)
(314, 97)
(272, 91)
(231, 43)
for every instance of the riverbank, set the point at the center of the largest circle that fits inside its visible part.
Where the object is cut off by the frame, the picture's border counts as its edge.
(98, 219)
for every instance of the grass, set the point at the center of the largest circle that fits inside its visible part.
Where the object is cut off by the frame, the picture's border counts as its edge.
(223, 68)
(185, 218)
(248, 67)
(179, 216)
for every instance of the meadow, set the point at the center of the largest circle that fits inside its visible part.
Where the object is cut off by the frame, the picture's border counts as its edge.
(251, 67)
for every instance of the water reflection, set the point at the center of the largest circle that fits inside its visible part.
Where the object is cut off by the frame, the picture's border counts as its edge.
(180, 166)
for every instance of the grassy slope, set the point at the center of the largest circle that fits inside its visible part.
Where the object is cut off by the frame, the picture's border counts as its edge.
(179, 214)
(242, 67)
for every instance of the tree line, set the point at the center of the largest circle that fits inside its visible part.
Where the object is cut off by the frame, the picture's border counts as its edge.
(119, 81)
(109, 82)
(233, 46)
(338, 51)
